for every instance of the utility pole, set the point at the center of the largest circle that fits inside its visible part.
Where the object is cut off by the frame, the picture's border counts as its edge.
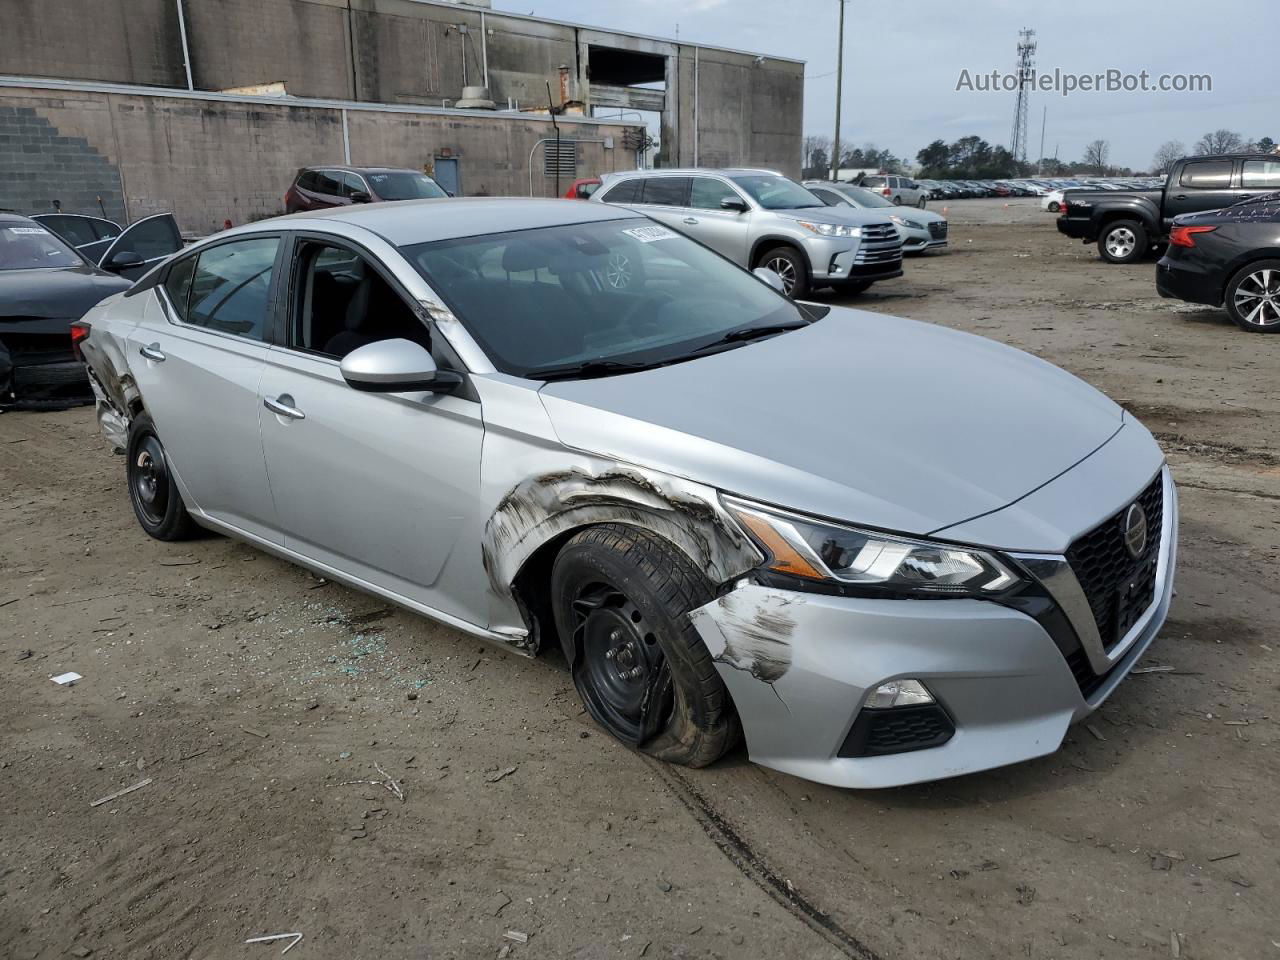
(835, 149)
(1040, 156)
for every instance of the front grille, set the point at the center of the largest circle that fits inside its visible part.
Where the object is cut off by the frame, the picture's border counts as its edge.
(879, 231)
(878, 732)
(1119, 587)
(938, 230)
(881, 243)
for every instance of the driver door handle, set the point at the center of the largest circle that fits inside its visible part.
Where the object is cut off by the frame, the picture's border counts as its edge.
(1180, 196)
(690, 219)
(283, 405)
(152, 352)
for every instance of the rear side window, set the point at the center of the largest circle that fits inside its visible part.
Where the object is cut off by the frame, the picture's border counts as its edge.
(1206, 174)
(75, 230)
(231, 285)
(327, 183)
(666, 191)
(1262, 173)
(307, 180)
(178, 285)
(628, 191)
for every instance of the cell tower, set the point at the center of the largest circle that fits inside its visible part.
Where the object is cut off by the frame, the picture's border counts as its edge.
(1025, 72)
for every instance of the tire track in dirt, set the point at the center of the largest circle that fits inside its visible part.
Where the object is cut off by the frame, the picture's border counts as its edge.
(753, 866)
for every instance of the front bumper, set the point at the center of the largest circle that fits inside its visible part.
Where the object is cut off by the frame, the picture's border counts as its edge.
(799, 667)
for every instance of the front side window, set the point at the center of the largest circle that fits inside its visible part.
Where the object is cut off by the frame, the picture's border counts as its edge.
(341, 302)
(27, 246)
(352, 184)
(1262, 173)
(777, 193)
(231, 287)
(1207, 174)
(405, 186)
(614, 292)
(706, 193)
(177, 284)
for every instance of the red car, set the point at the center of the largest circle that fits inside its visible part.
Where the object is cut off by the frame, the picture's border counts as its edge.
(315, 188)
(582, 189)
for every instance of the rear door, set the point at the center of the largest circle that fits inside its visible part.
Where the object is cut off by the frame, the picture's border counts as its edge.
(153, 238)
(1202, 185)
(667, 199)
(1258, 177)
(724, 231)
(198, 357)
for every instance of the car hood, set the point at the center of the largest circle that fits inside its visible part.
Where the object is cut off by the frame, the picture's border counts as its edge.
(853, 216)
(858, 417)
(55, 293)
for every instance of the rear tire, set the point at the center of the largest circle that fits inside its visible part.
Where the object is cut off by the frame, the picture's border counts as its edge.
(920, 203)
(1122, 241)
(622, 596)
(1253, 297)
(152, 490)
(791, 268)
(1053, 206)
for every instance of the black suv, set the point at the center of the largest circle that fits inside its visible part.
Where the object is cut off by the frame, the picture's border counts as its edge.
(315, 188)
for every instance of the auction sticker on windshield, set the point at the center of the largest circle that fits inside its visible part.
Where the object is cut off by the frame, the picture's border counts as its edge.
(28, 230)
(650, 234)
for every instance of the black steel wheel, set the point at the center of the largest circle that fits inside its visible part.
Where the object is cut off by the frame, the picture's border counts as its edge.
(622, 597)
(156, 501)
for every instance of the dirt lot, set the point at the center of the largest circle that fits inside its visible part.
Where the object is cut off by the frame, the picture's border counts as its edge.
(250, 694)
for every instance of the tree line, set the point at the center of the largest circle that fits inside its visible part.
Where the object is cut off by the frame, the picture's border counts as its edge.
(973, 158)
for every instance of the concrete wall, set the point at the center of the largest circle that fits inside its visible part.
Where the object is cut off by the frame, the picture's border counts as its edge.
(210, 160)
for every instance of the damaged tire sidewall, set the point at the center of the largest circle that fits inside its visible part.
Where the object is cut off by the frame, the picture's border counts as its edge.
(701, 723)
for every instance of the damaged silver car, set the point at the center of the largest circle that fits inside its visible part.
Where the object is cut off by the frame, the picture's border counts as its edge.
(879, 550)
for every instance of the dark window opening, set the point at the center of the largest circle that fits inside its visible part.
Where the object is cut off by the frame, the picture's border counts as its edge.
(625, 68)
(343, 303)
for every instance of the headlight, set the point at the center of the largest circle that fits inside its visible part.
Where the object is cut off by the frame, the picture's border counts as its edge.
(831, 229)
(909, 224)
(886, 563)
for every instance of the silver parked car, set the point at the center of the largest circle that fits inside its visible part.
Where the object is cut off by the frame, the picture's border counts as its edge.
(759, 218)
(920, 229)
(884, 551)
(897, 190)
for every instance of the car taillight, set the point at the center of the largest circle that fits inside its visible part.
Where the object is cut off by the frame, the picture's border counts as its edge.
(79, 333)
(1185, 236)
(886, 191)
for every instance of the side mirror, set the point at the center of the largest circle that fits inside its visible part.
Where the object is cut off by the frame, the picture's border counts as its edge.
(123, 260)
(359, 196)
(734, 203)
(765, 275)
(395, 366)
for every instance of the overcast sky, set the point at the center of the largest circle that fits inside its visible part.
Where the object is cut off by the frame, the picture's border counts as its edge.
(902, 64)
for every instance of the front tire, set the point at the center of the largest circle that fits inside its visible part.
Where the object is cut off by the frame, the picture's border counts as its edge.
(622, 596)
(791, 268)
(152, 490)
(920, 203)
(897, 201)
(1122, 241)
(1253, 297)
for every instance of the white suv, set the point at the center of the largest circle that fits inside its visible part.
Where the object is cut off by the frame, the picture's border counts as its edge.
(759, 218)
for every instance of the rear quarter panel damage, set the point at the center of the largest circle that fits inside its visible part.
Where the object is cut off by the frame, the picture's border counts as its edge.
(105, 353)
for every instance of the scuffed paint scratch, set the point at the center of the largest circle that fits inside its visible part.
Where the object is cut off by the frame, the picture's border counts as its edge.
(685, 513)
(757, 634)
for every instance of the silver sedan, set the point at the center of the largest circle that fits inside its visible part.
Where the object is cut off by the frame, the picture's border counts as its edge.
(881, 551)
(919, 229)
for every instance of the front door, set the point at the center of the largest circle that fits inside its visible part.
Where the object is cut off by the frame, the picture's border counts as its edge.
(152, 238)
(724, 231)
(198, 357)
(383, 487)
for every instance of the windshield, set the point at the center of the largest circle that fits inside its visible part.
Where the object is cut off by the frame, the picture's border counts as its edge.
(864, 198)
(611, 292)
(777, 193)
(27, 246)
(404, 186)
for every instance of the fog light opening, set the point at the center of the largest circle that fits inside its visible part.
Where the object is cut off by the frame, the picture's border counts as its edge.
(899, 693)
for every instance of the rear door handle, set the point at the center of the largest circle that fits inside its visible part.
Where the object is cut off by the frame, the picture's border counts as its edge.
(690, 219)
(1180, 196)
(283, 405)
(152, 352)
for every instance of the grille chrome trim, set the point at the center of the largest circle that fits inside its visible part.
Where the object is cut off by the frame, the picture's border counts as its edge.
(1060, 580)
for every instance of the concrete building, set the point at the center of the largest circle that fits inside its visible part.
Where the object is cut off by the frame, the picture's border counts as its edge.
(208, 107)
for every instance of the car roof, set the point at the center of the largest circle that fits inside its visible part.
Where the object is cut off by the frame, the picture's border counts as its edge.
(693, 171)
(447, 218)
(354, 169)
(14, 218)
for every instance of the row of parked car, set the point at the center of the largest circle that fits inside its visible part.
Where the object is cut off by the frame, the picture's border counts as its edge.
(1050, 189)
